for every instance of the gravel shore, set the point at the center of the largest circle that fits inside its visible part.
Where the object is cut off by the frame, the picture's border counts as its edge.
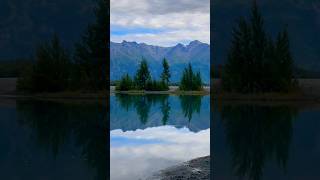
(196, 169)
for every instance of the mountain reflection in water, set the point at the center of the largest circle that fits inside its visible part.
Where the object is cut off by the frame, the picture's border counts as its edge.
(154, 132)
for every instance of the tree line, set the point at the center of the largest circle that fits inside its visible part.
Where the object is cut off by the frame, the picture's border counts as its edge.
(142, 79)
(56, 69)
(256, 62)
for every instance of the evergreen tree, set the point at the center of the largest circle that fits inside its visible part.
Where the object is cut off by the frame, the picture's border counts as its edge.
(125, 83)
(190, 81)
(198, 81)
(238, 59)
(255, 62)
(165, 76)
(270, 68)
(142, 75)
(51, 70)
(258, 47)
(91, 53)
(285, 64)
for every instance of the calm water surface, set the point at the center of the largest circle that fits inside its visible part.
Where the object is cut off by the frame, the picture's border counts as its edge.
(67, 140)
(262, 142)
(153, 132)
(42, 140)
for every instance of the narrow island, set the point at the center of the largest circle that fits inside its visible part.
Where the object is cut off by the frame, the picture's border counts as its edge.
(54, 71)
(143, 83)
(260, 66)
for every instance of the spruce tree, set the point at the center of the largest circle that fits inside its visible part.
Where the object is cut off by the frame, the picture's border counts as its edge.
(237, 69)
(190, 81)
(142, 75)
(198, 81)
(258, 45)
(285, 64)
(165, 76)
(91, 53)
(271, 79)
(51, 71)
(255, 62)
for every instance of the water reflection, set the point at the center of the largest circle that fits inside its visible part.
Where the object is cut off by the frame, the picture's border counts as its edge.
(190, 105)
(165, 109)
(56, 125)
(155, 132)
(143, 104)
(257, 134)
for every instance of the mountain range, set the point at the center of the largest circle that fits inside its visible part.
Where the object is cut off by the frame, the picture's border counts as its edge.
(126, 56)
(24, 24)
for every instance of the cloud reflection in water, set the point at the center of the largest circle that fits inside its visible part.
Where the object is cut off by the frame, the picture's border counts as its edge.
(137, 154)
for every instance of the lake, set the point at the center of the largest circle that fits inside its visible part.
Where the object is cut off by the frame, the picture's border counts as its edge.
(266, 141)
(149, 133)
(53, 140)
(67, 139)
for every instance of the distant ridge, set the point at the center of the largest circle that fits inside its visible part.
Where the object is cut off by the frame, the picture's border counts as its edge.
(125, 58)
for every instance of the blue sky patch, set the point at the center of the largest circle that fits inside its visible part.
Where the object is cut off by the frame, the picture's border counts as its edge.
(124, 141)
(119, 31)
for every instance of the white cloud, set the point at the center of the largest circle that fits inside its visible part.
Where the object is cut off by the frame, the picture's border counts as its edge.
(179, 21)
(159, 6)
(176, 146)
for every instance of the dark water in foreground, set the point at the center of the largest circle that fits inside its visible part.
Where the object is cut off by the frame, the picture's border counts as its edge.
(67, 140)
(262, 142)
(41, 140)
(153, 132)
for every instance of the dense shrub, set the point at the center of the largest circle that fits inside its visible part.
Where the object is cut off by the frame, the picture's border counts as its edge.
(50, 72)
(190, 81)
(125, 84)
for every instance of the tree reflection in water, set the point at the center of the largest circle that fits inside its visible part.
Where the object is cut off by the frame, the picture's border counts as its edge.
(257, 134)
(56, 122)
(143, 103)
(165, 109)
(190, 105)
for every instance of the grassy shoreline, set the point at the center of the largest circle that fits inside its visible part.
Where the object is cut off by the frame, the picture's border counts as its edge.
(295, 96)
(60, 95)
(309, 91)
(173, 90)
(133, 92)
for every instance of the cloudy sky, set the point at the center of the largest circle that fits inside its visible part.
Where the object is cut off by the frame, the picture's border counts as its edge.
(160, 22)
